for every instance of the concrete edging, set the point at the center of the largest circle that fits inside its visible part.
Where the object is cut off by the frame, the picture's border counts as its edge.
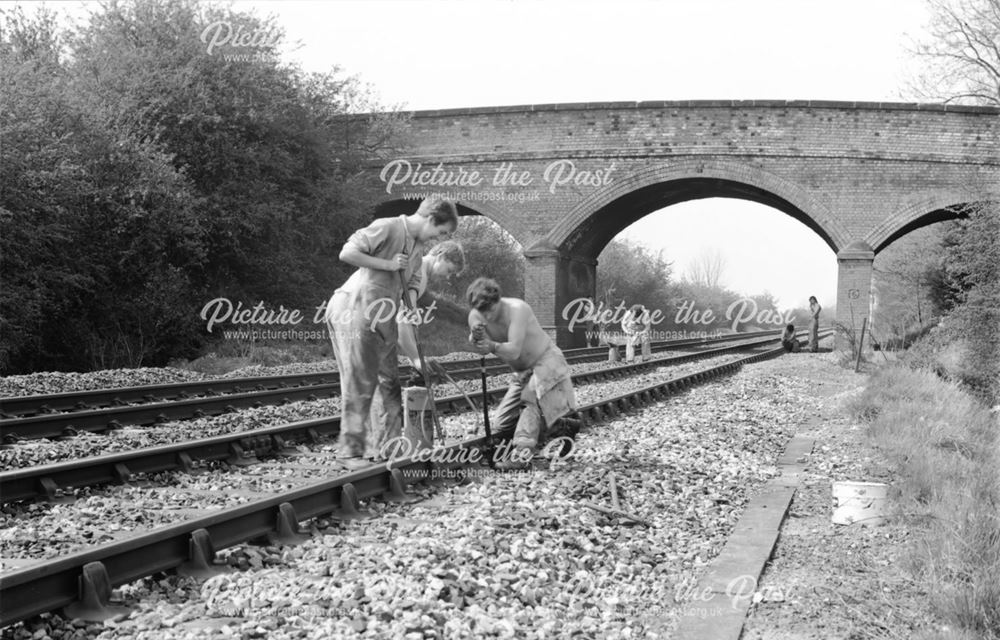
(723, 596)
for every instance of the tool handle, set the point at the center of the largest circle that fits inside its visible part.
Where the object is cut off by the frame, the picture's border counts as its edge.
(423, 362)
(486, 415)
(486, 397)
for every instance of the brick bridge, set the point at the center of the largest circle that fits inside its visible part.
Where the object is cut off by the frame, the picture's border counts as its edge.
(564, 179)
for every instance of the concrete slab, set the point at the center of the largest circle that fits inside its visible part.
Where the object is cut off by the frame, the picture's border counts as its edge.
(728, 586)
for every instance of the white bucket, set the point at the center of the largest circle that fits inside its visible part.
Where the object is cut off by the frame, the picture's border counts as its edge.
(859, 502)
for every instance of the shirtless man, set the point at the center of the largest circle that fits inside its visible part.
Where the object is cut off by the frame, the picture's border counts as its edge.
(542, 392)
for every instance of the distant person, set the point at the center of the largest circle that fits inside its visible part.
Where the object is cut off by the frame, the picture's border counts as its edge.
(542, 391)
(645, 333)
(814, 310)
(632, 327)
(788, 340)
(388, 255)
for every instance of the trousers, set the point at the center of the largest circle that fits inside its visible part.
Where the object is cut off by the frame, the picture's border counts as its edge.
(370, 391)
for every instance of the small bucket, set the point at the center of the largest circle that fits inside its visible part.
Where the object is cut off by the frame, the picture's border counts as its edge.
(859, 502)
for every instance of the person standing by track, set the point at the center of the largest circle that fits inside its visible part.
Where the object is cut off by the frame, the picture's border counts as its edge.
(361, 317)
(814, 310)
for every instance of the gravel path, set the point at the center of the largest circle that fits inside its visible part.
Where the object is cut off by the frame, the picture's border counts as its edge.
(827, 581)
(513, 555)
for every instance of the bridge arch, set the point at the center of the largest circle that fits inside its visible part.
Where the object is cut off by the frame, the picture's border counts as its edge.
(927, 209)
(858, 174)
(596, 219)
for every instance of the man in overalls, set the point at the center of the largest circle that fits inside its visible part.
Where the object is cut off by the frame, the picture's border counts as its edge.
(361, 317)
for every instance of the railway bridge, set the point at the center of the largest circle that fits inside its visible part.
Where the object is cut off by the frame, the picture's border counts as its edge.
(564, 179)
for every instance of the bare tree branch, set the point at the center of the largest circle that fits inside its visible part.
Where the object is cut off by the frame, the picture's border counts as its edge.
(961, 53)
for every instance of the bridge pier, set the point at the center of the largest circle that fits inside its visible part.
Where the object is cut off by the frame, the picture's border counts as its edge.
(552, 279)
(854, 286)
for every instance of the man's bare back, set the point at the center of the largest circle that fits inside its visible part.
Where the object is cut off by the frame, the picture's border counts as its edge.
(513, 325)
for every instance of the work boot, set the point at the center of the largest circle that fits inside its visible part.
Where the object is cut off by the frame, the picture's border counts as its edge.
(565, 427)
(354, 463)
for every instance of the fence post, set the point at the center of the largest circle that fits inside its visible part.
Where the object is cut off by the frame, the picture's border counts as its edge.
(861, 343)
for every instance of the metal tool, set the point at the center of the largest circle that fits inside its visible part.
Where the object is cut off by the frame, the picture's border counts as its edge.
(489, 449)
(438, 432)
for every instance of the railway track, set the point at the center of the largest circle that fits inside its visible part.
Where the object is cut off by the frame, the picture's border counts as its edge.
(83, 580)
(67, 414)
(244, 447)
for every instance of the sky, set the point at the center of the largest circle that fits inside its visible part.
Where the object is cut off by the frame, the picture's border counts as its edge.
(430, 54)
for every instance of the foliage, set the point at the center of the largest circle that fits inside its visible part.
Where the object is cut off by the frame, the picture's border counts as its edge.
(943, 444)
(489, 252)
(143, 175)
(906, 281)
(634, 274)
(961, 63)
(966, 345)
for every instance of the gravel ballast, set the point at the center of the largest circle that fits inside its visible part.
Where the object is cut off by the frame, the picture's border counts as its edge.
(515, 555)
(44, 451)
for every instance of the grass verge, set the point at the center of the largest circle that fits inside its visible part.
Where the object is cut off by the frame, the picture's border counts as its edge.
(943, 444)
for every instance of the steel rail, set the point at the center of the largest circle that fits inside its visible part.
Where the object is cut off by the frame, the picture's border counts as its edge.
(89, 574)
(55, 425)
(24, 406)
(242, 447)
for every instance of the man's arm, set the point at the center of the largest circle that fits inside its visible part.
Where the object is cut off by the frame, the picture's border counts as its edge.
(357, 258)
(516, 332)
(415, 283)
(408, 343)
(475, 319)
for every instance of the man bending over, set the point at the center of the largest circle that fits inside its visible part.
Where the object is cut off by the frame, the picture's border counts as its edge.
(542, 392)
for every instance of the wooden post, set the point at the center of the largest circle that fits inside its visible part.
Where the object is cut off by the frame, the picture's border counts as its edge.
(861, 344)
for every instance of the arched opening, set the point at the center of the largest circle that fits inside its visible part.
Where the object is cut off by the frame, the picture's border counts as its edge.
(599, 228)
(718, 265)
(656, 207)
(943, 214)
(910, 287)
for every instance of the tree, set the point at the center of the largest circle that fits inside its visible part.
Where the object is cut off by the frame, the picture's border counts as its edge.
(489, 252)
(903, 282)
(99, 234)
(143, 174)
(635, 274)
(960, 54)
(706, 270)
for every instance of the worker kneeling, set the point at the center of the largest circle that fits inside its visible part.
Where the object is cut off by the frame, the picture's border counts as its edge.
(542, 393)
